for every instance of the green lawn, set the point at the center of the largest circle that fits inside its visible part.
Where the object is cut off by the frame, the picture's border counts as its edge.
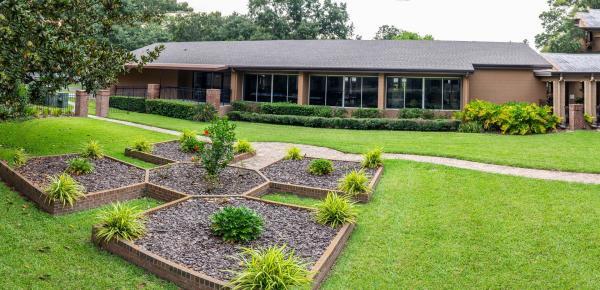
(291, 199)
(576, 151)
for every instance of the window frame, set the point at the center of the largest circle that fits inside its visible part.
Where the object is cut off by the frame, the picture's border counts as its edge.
(287, 96)
(460, 87)
(343, 76)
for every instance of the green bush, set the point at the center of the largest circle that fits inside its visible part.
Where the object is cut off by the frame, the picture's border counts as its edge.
(335, 210)
(206, 113)
(19, 157)
(288, 109)
(217, 155)
(293, 154)
(244, 106)
(415, 113)
(172, 108)
(133, 104)
(79, 166)
(273, 268)
(589, 119)
(236, 224)
(471, 127)
(372, 159)
(320, 167)
(511, 118)
(443, 125)
(354, 183)
(143, 146)
(188, 142)
(367, 114)
(64, 189)
(92, 150)
(121, 221)
(243, 146)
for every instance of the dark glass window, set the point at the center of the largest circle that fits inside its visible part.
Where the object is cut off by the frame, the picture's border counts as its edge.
(414, 93)
(317, 90)
(264, 88)
(370, 89)
(250, 88)
(395, 93)
(335, 91)
(352, 94)
(451, 94)
(293, 89)
(433, 94)
(280, 88)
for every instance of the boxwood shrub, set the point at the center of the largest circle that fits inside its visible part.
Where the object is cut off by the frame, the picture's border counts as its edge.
(172, 108)
(367, 113)
(128, 103)
(349, 123)
(288, 109)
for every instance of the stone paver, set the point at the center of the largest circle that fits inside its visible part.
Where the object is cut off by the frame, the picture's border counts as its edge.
(269, 152)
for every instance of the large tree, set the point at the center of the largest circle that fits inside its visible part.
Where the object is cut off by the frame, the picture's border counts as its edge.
(560, 33)
(51, 44)
(214, 27)
(390, 32)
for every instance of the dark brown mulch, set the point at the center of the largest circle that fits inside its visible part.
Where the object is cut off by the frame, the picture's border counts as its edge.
(296, 172)
(182, 234)
(108, 174)
(171, 150)
(189, 178)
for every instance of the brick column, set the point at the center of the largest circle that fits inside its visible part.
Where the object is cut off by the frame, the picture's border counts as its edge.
(213, 97)
(303, 88)
(81, 103)
(576, 120)
(153, 91)
(102, 100)
(381, 92)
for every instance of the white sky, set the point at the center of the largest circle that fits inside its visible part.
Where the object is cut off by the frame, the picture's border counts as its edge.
(477, 20)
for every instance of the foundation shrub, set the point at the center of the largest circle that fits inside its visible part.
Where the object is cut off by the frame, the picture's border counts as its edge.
(372, 159)
(172, 108)
(272, 268)
(442, 125)
(243, 146)
(92, 150)
(589, 119)
(293, 153)
(64, 189)
(244, 106)
(80, 166)
(217, 155)
(367, 114)
(320, 167)
(471, 127)
(121, 221)
(415, 113)
(354, 183)
(142, 146)
(19, 157)
(236, 224)
(205, 113)
(335, 210)
(134, 104)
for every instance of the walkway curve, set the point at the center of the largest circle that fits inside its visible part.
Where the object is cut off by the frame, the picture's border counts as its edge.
(269, 152)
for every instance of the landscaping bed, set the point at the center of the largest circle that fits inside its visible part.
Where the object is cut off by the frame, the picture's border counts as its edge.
(170, 152)
(189, 178)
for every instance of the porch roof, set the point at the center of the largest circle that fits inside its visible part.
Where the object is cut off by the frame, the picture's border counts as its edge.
(571, 63)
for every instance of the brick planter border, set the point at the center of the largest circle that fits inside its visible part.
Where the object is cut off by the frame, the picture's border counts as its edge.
(190, 279)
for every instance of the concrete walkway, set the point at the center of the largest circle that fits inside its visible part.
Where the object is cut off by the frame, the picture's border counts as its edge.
(269, 152)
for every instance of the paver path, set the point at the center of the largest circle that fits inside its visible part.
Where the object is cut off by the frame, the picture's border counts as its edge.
(269, 152)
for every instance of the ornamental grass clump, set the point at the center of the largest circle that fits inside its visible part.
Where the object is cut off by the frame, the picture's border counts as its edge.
(236, 224)
(189, 143)
(93, 150)
(121, 221)
(79, 166)
(354, 183)
(272, 268)
(143, 146)
(243, 146)
(335, 210)
(64, 189)
(320, 167)
(372, 159)
(294, 153)
(19, 157)
(217, 155)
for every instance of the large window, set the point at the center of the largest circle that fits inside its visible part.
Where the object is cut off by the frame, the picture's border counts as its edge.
(425, 93)
(344, 91)
(270, 88)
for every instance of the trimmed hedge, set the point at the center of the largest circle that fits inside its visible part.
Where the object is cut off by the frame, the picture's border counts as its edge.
(348, 123)
(288, 109)
(128, 103)
(172, 108)
(367, 113)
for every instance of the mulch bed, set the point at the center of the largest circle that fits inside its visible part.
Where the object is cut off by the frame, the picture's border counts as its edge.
(189, 178)
(108, 173)
(182, 234)
(171, 150)
(296, 172)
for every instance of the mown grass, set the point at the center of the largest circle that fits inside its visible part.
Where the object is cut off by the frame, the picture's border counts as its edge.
(573, 151)
(291, 199)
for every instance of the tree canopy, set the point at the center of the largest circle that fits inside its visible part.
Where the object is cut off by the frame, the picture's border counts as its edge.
(390, 32)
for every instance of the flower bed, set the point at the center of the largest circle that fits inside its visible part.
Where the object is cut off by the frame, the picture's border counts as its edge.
(169, 152)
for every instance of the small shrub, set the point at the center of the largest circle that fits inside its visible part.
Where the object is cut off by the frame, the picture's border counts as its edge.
(121, 221)
(93, 150)
(372, 159)
(320, 167)
(272, 268)
(589, 119)
(243, 146)
(366, 113)
(354, 183)
(187, 134)
(206, 113)
(471, 127)
(293, 153)
(217, 155)
(143, 146)
(64, 189)
(335, 210)
(188, 142)
(80, 166)
(415, 113)
(19, 157)
(236, 224)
